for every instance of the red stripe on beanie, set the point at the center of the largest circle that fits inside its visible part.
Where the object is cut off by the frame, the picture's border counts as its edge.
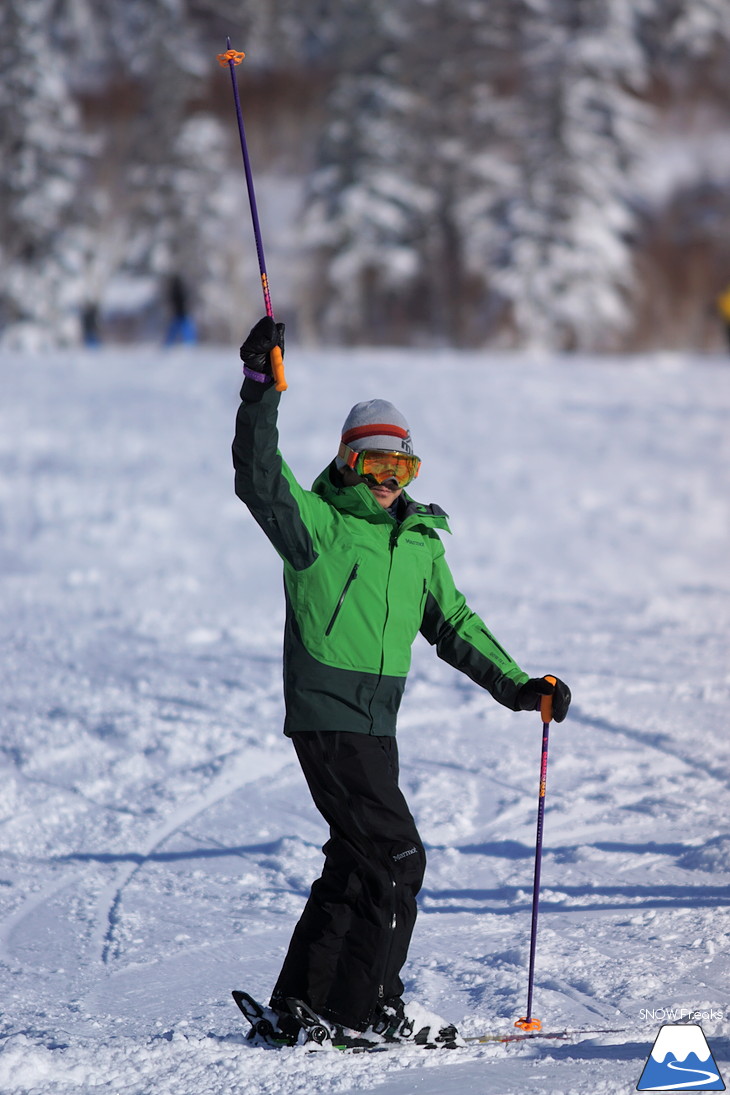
(374, 429)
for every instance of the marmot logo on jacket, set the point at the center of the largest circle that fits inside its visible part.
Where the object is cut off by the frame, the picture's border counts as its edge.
(403, 855)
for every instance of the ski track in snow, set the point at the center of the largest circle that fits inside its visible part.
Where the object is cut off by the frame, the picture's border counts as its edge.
(218, 789)
(156, 838)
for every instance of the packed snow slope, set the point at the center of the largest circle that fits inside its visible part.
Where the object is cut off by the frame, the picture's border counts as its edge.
(158, 840)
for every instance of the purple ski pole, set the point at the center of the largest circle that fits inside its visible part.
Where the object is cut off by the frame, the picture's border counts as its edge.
(546, 711)
(232, 58)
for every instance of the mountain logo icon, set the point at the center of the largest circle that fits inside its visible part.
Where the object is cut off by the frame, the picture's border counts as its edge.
(681, 1060)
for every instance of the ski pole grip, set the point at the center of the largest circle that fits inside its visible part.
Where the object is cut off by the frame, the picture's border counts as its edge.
(546, 703)
(277, 369)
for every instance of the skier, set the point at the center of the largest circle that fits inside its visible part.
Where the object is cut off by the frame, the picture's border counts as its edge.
(181, 327)
(90, 330)
(364, 572)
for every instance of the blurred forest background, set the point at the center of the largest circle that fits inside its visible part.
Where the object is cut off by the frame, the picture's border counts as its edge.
(512, 173)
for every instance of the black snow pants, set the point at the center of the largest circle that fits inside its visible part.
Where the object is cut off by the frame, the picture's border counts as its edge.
(352, 939)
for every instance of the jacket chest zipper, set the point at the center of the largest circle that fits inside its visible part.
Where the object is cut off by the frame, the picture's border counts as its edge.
(393, 545)
(351, 578)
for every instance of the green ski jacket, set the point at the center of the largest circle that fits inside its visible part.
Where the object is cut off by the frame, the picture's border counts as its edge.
(359, 586)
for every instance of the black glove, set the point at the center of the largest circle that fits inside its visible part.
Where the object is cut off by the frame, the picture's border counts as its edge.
(259, 343)
(532, 691)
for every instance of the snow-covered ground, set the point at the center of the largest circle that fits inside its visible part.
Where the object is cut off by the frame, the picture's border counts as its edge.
(157, 837)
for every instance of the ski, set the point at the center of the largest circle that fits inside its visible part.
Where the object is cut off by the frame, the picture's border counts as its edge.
(474, 1040)
(560, 1035)
(482, 1039)
(302, 1027)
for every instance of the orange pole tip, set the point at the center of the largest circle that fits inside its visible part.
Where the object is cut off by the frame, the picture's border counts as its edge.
(230, 55)
(546, 703)
(528, 1024)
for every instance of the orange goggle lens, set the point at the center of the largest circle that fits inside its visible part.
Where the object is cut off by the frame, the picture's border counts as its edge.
(378, 466)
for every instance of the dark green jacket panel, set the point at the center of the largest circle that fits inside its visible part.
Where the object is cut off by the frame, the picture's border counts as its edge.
(463, 640)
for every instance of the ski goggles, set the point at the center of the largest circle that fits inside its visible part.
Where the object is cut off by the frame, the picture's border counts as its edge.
(377, 466)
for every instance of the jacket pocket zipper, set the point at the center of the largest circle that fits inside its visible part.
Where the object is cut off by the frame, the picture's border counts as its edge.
(338, 606)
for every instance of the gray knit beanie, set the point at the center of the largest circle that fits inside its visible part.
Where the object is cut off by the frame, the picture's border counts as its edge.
(376, 424)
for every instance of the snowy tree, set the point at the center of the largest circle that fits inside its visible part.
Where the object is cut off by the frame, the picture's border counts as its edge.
(360, 216)
(109, 167)
(697, 28)
(43, 152)
(152, 185)
(476, 178)
(566, 260)
(683, 177)
(155, 199)
(476, 165)
(400, 159)
(473, 178)
(460, 151)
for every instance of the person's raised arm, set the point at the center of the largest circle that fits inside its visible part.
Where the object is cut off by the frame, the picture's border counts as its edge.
(264, 482)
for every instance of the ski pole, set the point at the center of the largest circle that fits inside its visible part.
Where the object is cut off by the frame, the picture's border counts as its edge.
(546, 711)
(232, 58)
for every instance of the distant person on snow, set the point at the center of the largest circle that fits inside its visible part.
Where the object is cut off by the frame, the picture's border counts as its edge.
(723, 307)
(182, 326)
(364, 572)
(90, 329)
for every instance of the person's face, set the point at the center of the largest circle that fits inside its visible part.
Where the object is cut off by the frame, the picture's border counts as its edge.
(385, 493)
